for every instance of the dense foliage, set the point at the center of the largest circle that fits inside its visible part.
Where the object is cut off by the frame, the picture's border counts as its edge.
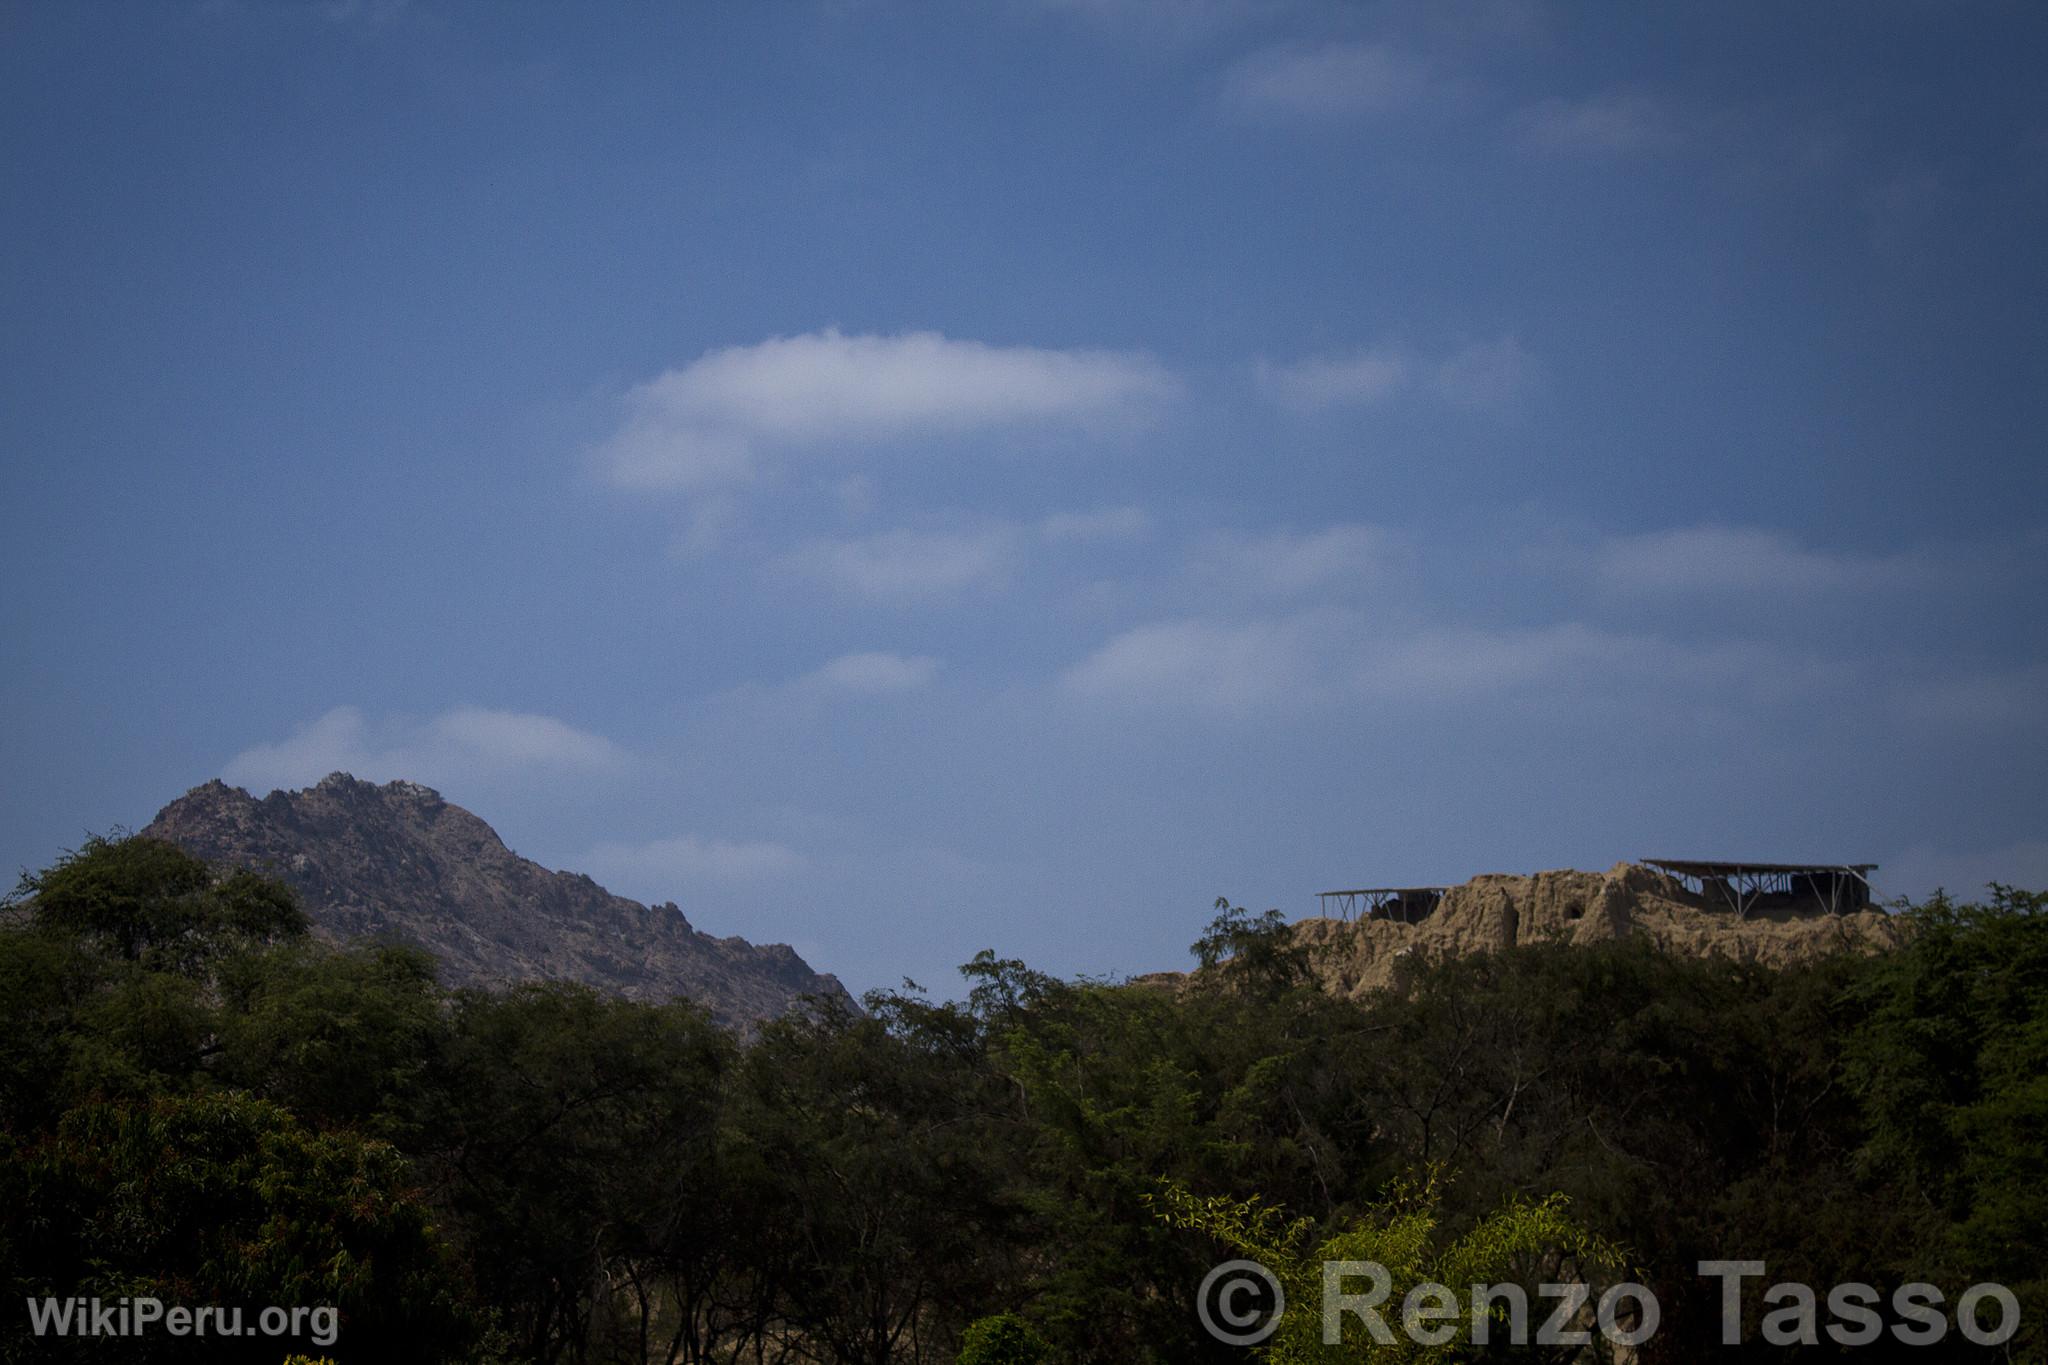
(201, 1103)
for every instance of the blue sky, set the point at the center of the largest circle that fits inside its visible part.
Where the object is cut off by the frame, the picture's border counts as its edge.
(908, 478)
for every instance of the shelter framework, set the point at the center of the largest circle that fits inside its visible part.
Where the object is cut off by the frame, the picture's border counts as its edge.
(1837, 887)
(1405, 904)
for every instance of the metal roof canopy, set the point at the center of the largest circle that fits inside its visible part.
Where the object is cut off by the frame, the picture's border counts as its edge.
(1743, 884)
(1372, 900)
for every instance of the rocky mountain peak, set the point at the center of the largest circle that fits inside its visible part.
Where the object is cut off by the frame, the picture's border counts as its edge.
(397, 860)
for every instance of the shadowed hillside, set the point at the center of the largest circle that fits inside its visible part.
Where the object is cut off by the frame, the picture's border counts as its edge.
(397, 861)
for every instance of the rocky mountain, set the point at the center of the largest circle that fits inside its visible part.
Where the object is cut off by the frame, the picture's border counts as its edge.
(397, 861)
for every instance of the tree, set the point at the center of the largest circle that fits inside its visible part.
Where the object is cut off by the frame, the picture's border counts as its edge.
(153, 902)
(879, 1151)
(44, 977)
(1003, 1339)
(1255, 953)
(1950, 1064)
(225, 1199)
(1517, 1243)
(574, 1137)
(339, 1035)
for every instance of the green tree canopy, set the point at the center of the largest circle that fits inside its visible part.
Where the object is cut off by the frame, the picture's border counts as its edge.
(228, 1200)
(149, 899)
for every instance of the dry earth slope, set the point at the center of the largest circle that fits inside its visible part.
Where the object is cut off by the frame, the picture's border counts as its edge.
(397, 861)
(1499, 911)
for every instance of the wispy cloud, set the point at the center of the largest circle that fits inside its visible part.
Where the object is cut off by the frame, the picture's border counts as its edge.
(907, 565)
(459, 747)
(1328, 655)
(874, 672)
(1357, 377)
(1484, 374)
(1206, 665)
(929, 563)
(1613, 123)
(1109, 523)
(1290, 563)
(1463, 662)
(709, 523)
(1327, 80)
(710, 423)
(1739, 559)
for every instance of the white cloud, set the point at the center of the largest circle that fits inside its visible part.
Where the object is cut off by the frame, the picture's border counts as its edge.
(710, 423)
(1452, 662)
(654, 449)
(1205, 665)
(1327, 80)
(906, 565)
(459, 747)
(876, 672)
(1109, 523)
(710, 522)
(1611, 123)
(652, 869)
(1334, 655)
(1288, 563)
(1738, 559)
(1486, 374)
(514, 739)
(1574, 658)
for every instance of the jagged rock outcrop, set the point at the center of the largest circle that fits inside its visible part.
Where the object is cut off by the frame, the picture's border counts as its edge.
(397, 861)
(1499, 911)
